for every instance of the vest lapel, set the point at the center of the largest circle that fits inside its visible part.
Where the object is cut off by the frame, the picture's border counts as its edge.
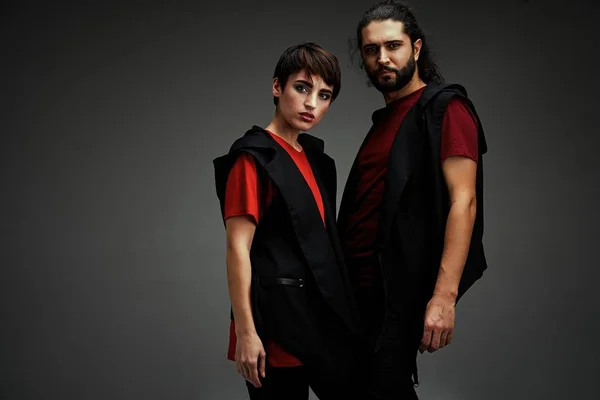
(405, 152)
(310, 231)
(324, 170)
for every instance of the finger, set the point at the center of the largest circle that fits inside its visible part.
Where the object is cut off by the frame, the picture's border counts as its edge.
(449, 339)
(426, 340)
(246, 370)
(238, 368)
(435, 340)
(444, 338)
(243, 371)
(262, 361)
(253, 373)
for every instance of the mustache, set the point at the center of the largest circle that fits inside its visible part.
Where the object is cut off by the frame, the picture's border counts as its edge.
(384, 68)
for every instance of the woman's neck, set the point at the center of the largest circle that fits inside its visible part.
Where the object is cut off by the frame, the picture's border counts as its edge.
(284, 130)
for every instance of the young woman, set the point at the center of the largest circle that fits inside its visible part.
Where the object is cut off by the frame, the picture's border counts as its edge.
(294, 321)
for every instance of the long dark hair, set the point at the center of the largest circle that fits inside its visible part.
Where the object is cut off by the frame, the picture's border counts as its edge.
(399, 11)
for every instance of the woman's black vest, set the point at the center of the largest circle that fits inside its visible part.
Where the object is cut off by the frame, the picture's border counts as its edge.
(301, 295)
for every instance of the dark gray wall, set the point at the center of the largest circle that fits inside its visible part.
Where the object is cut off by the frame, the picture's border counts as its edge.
(113, 278)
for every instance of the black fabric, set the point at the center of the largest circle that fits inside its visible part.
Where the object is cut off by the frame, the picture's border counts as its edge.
(281, 383)
(414, 210)
(435, 105)
(317, 320)
(388, 372)
(292, 383)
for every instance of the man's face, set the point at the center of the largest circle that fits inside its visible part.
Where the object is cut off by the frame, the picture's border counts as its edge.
(388, 55)
(304, 100)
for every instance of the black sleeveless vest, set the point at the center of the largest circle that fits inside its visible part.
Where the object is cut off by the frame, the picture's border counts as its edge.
(301, 296)
(415, 208)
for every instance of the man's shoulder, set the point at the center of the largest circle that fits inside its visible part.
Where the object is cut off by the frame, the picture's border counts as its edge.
(435, 93)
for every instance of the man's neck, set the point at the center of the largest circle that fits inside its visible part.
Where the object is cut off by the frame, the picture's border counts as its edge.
(415, 84)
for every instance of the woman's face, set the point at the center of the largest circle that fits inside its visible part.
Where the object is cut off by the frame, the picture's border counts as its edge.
(304, 100)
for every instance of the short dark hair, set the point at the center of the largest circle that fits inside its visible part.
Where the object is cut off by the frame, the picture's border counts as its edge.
(314, 60)
(400, 11)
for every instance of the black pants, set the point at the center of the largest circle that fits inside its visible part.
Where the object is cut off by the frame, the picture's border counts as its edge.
(387, 373)
(292, 383)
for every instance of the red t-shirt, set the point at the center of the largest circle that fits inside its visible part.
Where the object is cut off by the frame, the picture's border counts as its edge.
(459, 137)
(242, 197)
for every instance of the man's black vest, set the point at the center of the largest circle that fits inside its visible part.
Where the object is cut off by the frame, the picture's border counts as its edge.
(301, 296)
(415, 208)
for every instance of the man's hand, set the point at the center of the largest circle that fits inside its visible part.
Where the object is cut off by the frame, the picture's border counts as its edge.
(250, 358)
(439, 323)
(460, 173)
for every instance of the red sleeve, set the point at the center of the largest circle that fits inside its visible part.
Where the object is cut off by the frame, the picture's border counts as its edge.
(241, 193)
(459, 132)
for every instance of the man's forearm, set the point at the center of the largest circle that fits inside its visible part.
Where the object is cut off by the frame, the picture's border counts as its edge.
(239, 278)
(456, 246)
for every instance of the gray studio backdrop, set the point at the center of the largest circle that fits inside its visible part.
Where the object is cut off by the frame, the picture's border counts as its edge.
(113, 278)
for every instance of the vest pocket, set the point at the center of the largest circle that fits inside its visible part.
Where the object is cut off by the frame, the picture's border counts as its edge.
(299, 282)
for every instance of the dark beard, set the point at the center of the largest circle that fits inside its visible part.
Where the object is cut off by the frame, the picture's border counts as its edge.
(401, 77)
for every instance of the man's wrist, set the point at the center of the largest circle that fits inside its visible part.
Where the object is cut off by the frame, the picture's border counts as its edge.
(447, 284)
(446, 290)
(450, 295)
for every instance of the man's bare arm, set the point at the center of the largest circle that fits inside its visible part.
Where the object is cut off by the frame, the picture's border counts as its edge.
(460, 176)
(459, 173)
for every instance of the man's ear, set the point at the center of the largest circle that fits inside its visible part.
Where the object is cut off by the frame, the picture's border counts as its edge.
(417, 47)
